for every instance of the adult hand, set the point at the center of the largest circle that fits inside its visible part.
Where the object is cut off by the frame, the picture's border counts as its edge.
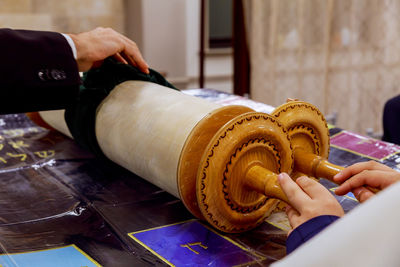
(96, 45)
(371, 173)
(307, 199)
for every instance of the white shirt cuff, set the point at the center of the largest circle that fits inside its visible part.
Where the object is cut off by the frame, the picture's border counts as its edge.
(71, 44)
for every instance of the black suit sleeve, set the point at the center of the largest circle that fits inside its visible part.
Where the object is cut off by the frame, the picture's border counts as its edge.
(37, 71)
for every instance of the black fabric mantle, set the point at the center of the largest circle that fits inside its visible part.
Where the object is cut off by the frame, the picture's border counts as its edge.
(97, 84)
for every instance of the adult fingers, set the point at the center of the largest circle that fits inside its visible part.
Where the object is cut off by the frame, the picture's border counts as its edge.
(133, 55)
(128, 59)
(127, 49)
(357, 168)
(120, 58)
(296, 196)
(136, 59)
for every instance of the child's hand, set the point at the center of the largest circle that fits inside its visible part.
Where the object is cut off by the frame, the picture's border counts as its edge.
(308, 199)
(371, 173)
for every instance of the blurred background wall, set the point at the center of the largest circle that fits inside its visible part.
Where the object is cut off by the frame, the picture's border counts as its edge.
(65, 16)
(341, 55)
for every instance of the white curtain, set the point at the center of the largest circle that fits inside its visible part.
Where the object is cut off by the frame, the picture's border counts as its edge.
(341, 55)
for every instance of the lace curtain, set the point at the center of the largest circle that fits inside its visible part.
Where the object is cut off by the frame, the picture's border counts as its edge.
(341, 55)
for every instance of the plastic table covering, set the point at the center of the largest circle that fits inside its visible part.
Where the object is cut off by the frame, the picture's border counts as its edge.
(61, 206)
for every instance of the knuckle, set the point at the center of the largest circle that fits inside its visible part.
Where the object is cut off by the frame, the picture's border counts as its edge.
(308, 210)
(303, 180)
(364, 172)
(364, 195)
(371, 163)
(109, 30)
(332, 203)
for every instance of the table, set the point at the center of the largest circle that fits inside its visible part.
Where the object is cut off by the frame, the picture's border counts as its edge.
(61, 206)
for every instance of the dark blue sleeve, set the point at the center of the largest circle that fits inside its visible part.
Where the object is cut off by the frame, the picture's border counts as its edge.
(307, 230)
(38, 71)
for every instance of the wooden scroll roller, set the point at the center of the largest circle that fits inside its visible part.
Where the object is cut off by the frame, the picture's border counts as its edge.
(309, 136)
(222, 162)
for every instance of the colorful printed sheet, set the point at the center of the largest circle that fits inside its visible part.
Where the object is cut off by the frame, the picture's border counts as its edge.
(60, 257)
(193, 244)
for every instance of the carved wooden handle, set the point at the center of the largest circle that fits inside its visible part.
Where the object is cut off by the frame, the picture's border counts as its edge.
(316, 166)
(265, 182)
